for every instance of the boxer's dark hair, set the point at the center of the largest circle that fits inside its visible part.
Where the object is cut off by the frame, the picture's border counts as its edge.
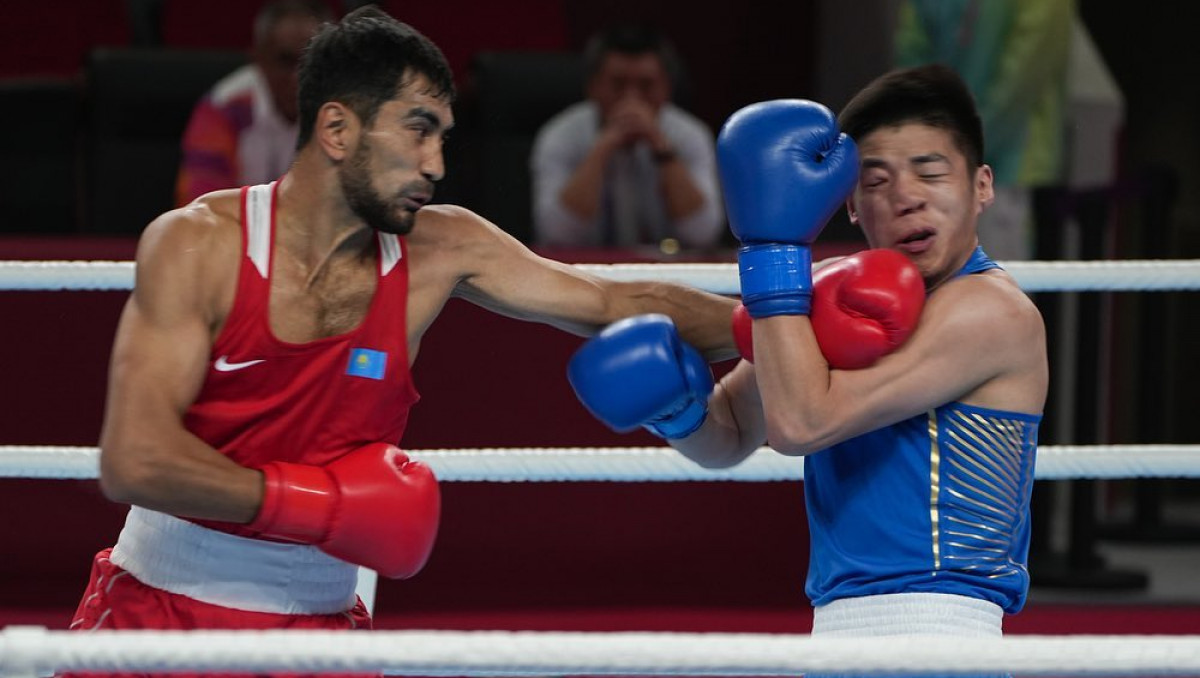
(364, 61)
(931, 95)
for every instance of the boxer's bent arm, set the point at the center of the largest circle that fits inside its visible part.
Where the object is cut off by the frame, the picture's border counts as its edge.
(159, 360)
(508, 278)
(979, 340)
(734, 428)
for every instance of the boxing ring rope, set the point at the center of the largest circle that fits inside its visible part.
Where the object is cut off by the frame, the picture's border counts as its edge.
(26, 652)
(29, 651)
(652, 464)
(515, 465)
(1033, 276)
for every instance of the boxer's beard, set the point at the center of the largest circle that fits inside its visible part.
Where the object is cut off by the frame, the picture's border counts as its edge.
(365, 201)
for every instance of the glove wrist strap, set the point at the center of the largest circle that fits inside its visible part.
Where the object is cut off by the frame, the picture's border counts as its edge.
(680, 424)
(297, 501)
(776, 279)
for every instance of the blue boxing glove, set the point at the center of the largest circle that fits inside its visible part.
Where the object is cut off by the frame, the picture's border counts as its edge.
(785, 170)
(638, 372)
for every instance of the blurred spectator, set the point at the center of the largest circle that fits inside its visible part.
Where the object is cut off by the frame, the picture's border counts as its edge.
(626, 166)
(1013, 56)
(244, 129)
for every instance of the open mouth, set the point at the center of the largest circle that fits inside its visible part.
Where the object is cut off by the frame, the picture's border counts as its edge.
(917, 241)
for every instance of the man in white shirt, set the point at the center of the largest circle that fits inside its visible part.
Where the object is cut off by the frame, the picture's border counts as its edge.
(626, 167)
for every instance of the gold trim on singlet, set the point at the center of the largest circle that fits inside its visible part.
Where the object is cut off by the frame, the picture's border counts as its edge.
(935, 486)
(982, 473)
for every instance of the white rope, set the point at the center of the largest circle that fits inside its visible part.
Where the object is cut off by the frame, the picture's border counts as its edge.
(1081, 276)
(26, 651)
(66, 275)
(1033, 276)
(656, 464)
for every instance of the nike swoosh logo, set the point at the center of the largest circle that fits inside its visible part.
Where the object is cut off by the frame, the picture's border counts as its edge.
(223, 364)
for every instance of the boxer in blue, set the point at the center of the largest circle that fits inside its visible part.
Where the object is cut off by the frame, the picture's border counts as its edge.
(919, 458)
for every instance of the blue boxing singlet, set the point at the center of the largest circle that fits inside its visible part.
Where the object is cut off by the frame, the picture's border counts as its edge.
(937, 503)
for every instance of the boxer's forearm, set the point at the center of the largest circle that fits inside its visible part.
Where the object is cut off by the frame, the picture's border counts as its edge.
(179, 475)
(734, 428)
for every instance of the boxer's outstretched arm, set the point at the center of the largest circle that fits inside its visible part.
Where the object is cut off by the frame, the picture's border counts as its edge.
(506, 277)
(158, 363)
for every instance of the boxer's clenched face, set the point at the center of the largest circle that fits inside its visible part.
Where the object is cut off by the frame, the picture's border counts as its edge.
(916, 194)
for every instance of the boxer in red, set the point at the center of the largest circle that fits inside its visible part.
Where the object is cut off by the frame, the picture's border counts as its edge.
(260, 376)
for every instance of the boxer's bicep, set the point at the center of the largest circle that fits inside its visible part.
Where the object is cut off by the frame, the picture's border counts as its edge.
(159, 358)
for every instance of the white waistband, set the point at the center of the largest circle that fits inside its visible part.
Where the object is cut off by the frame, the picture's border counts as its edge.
(182, 557)
(896, 614)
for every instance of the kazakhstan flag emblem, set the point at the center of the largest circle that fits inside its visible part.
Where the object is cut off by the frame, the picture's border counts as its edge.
(367, 363)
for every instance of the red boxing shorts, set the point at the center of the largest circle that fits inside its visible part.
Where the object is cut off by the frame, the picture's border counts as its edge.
(114, 599)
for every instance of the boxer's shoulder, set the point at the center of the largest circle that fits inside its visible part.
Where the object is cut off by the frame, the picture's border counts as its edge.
(212, 220)
(201, 241)
(450, 233)
(989, 294)
(992, 315)
(448, 225)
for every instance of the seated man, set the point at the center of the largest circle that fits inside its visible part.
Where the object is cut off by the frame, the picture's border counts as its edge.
(626, 166)
(244, 129)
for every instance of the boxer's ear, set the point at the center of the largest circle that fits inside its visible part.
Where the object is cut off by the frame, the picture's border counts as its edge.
(985, 192)
(851, 209)
(336, 130)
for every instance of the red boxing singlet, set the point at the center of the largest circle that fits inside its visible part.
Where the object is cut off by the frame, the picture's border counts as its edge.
(265, 399)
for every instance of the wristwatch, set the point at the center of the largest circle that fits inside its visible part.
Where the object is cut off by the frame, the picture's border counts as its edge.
(664, 156)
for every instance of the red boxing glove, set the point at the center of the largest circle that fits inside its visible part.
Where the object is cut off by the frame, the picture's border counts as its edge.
(864, 306)
(743, 332)
(373, 507)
